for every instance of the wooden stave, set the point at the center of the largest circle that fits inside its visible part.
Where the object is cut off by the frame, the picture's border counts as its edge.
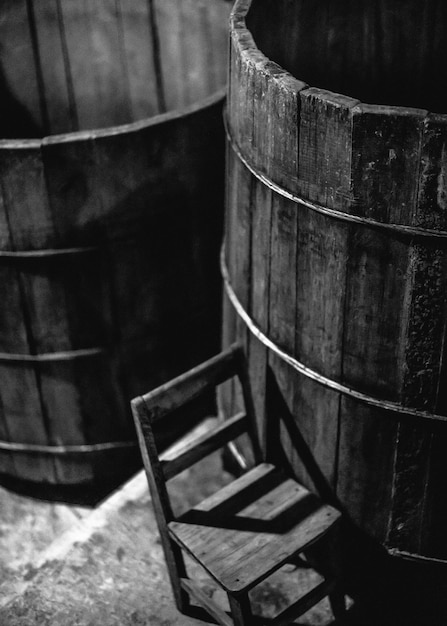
(66, 66)
(206, 163)
(395, 520)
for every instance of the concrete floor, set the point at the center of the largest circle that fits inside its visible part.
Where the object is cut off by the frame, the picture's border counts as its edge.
(67, 565)
(74, 566)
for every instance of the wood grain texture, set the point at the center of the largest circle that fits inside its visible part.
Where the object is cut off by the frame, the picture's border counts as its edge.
(160, 501)
(27, 220)
(258, 536)
(247, 529)
(19, 387)
(55, 66)
(418, 505)
(145, 201)
(359, 306)
(69, 66)
(384, 173)
(21, 102)
(140, 66)
(206, 444)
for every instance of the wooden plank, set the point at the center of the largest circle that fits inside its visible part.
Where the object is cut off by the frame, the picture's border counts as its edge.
(215, 32)
(211, 607)
(238, 252)
(385, 145)
(167, 188)
(21, 112)
(139, 59)
(420, 462)
(184, 388)
(55, 70)
(172, 64)
(74, 26)
(27, 223)
(192, 48)
(258, 536)
(324, 162)
(229, 316)
(240, 206)
(96, 411)
(96, 61)
(160, 501)
(193, 62)
(252, 484)
(282, 314)
(205, 445)
(260, 299)
(11, 301)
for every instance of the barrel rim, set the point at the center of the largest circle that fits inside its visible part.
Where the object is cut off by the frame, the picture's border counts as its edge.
(121, 129)
(240, 33)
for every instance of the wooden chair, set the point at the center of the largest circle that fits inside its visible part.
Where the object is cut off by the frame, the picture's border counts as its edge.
(249, 528)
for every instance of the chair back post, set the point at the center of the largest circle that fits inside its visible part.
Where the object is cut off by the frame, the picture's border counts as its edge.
(160, 497)
(154, 471)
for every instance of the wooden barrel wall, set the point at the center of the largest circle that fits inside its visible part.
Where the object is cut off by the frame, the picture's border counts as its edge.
(335, 262)
(111, 177)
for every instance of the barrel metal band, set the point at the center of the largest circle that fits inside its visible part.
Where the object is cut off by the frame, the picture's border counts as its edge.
(419, 558)
(68, 355)
(49, 252)
(385, 405)
(401, 229)
(61, 450)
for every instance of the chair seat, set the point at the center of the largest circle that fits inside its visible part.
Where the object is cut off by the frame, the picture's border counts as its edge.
(252, 526)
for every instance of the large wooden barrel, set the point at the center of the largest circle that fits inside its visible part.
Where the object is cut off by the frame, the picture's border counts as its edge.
(111, 174)
(335, 259)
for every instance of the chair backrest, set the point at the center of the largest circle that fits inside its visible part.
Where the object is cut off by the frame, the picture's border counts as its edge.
(153, 406)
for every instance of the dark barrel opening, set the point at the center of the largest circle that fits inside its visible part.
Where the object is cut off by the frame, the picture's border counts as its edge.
(378, 51)
(68, 66)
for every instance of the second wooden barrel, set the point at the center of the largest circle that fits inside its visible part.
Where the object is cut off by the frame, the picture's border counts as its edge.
(111, 178)
(335, 260)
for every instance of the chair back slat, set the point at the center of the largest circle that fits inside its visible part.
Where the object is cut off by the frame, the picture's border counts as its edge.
(206, 376)
(173, 395)
(204, 445)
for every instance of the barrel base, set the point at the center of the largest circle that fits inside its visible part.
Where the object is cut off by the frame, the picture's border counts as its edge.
(389, 590)
(87, 494)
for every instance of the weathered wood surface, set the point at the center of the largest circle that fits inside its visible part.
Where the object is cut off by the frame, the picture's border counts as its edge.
(250, 527)
(140, 205)
(362, 307)
(259, 532)
(70, 66)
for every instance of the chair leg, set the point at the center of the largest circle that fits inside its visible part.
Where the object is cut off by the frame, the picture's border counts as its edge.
(177, 570)
(337, 601)
(241, 610)
(326, 558)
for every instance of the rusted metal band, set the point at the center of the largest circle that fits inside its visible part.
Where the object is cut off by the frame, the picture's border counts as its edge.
(63, 450)
(418, 558)
(384, 405)
(414, 232)
(50, 252)
(68, 355)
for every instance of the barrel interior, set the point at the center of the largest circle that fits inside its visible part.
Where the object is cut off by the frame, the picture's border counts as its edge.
(380, 51)
(68, 66)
